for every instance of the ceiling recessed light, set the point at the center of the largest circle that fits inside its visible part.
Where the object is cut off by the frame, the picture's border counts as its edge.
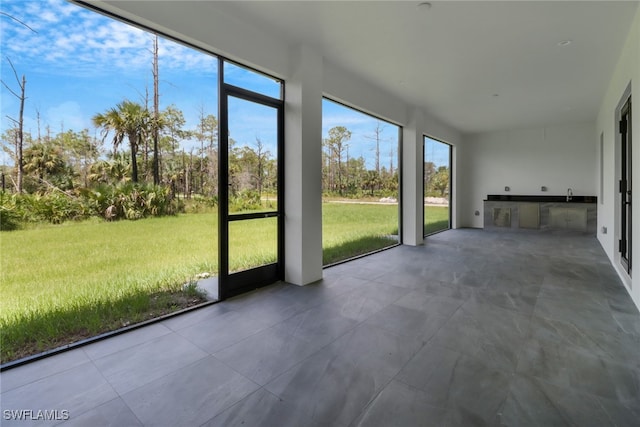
(424, 5)
(565, 43)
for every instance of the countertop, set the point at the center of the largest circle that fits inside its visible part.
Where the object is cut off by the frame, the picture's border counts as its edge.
(539, 198)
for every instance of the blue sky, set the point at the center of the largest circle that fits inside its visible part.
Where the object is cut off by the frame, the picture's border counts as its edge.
(79, 63)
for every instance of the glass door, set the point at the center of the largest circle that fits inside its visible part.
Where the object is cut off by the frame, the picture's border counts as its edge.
(625, 187)
(251, 192)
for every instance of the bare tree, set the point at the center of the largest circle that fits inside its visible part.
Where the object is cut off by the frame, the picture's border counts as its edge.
(377, 132)
(19, 125)
(156, 114)
(262, 157)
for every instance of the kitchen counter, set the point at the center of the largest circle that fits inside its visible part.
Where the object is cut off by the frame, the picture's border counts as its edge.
(541, 213)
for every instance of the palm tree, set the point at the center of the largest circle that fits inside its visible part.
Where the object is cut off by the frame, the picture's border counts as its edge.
(128, 119)
(43, 160)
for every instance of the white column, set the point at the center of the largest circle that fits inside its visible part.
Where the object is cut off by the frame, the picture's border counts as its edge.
(303, 168)
(412, 193)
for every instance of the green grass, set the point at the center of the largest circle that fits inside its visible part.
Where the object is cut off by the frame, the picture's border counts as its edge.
(349, 230)
(436, 219)
(71, 281)
(80, 279)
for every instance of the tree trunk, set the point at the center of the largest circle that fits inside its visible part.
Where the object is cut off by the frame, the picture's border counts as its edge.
(20, 139)
(156, 114)
(134, 161)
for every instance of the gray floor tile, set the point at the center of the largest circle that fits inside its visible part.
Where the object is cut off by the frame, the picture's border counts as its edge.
(333, 386)
(193, 317)
(319, 325)
(40, 369)
(259, 409)
(361, 270)
(627, 323)
(622, 415)
(575, 314)
(401, 279)
(407, 322)
(126, 340)
(618, 347)
(399, 405)
(444, 289)
(532, 402)
(76, 390)
(114, 413)
(134, 367)
(565, 367)
(453, 380)
(583, 298)
(518, 299)
(422, 301)
(224, 330)
(487, 332)
(359, 305)
(267, 354)
(376, 349)
(189, 396)
(619, 302)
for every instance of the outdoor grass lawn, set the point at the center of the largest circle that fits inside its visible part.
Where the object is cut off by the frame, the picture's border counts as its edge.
(351, 229)
(436, 219)
(67, 282)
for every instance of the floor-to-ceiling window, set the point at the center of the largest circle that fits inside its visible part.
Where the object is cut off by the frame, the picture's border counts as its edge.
(360, 183)
(437, 186)
(114, 217)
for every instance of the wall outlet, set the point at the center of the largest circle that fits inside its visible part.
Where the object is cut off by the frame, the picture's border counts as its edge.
(507, 189)
(477, 213)
(543, 188)
(604, 230)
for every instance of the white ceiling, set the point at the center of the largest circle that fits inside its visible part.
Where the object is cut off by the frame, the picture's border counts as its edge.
(453, 58)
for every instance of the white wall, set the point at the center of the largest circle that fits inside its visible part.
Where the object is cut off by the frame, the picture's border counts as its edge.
(627, 72)
(558, 157)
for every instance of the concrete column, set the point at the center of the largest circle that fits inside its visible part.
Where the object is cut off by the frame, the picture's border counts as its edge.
(303, 168)
(412, 193)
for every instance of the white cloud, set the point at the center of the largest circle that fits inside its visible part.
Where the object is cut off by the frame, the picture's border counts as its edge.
(73, 41)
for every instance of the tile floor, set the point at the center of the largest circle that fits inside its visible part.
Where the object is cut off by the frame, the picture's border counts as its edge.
(475, 328)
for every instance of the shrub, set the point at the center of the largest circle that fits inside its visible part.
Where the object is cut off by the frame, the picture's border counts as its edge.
(245, 200)
(125, 201)
(131, 201)
(9, 213)
(200, 204)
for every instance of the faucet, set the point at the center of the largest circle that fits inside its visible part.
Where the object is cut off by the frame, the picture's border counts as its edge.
(569, 194)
